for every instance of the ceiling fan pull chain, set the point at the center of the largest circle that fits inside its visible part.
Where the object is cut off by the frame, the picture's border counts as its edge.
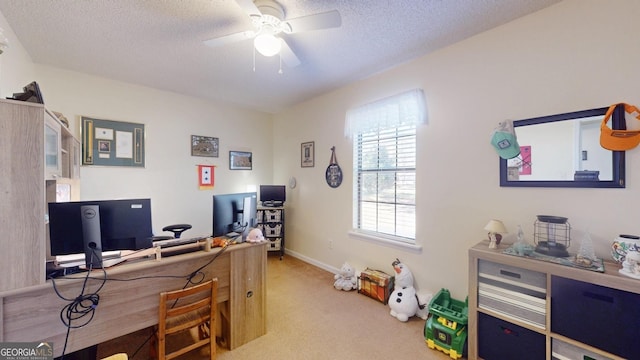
(254, 59)
(280, 71)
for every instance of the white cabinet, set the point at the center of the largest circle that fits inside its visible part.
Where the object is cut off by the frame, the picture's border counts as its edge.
(522, 308)
(61, 150)
(70, 156)
(52, 147)
(74, 165)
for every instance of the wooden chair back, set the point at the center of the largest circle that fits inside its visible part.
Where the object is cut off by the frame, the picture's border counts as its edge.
(182, 310)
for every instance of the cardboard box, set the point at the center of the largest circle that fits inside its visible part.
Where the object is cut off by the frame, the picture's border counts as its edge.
(375, 284)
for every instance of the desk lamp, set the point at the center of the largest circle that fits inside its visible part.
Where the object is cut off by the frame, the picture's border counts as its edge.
(495, 227)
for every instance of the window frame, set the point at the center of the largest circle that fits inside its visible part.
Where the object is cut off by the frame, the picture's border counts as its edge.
(378, 142)
(386, 133)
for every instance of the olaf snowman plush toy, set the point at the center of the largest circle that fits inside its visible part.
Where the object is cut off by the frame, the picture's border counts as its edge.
(403, 301)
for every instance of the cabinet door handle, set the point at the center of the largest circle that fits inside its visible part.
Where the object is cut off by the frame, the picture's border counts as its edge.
(507, 331)
(510, 274)
(600, 297)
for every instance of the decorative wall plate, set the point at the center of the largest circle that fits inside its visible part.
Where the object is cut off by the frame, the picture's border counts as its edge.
(334, 173)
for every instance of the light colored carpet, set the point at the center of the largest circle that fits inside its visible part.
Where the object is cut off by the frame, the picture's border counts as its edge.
(308, 319)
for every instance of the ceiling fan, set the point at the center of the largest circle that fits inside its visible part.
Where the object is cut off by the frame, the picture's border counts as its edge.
(268, 20)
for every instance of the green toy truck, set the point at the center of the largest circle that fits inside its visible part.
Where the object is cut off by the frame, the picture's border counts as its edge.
(446, 327)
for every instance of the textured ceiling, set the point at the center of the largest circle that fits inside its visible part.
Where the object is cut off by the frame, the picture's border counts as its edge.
(159, 43)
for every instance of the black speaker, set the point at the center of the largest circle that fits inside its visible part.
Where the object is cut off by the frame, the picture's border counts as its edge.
(90, 215)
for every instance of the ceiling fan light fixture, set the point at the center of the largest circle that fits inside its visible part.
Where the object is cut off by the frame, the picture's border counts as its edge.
(267, 44)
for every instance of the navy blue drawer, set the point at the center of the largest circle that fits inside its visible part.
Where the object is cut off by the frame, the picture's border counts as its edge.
(606, 318)
(501, 340)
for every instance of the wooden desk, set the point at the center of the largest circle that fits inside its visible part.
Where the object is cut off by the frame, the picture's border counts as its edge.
(33, 313)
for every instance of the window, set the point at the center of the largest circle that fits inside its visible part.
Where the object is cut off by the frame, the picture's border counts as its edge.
(384, 150)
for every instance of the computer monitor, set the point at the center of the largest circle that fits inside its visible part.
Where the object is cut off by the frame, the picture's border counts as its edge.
(124, 225)
(273, 195)
(234, 213)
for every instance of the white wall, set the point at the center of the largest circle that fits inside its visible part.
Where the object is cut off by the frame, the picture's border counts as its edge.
(16, 67)
(170, 175)
(576, 55)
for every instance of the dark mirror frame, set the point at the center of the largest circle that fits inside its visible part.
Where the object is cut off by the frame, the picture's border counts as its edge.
(617, 157)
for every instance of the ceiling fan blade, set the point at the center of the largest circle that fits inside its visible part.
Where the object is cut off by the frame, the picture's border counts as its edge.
(288, 56)
(231, 38)
(329, 19)
(249, 7)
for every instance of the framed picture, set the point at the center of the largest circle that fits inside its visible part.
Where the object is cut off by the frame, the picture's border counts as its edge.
(307, 154)
(204, 146)
(240, 160)
(104, 146)
(112, 143)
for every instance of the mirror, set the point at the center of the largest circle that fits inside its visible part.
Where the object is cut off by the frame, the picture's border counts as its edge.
(564, 151)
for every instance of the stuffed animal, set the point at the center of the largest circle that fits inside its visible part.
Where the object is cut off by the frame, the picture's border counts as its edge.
(423, 304)
(346, 278)
(403, 301)
(255, 236)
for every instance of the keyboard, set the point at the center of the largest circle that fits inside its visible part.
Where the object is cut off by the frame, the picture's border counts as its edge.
(180, 241)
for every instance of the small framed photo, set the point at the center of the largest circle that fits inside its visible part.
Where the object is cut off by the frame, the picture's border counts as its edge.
(240, 160)
(307, 154)
(104, 146)
(204, 146)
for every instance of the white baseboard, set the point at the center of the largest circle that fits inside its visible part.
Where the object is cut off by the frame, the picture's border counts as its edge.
(313, 262)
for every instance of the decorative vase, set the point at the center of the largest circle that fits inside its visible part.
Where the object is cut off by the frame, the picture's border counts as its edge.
(623, 244)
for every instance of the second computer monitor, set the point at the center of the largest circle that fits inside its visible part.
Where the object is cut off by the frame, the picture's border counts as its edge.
(234, 213)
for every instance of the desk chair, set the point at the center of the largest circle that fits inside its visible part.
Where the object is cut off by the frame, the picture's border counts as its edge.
(176, 229)
(185, 309)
